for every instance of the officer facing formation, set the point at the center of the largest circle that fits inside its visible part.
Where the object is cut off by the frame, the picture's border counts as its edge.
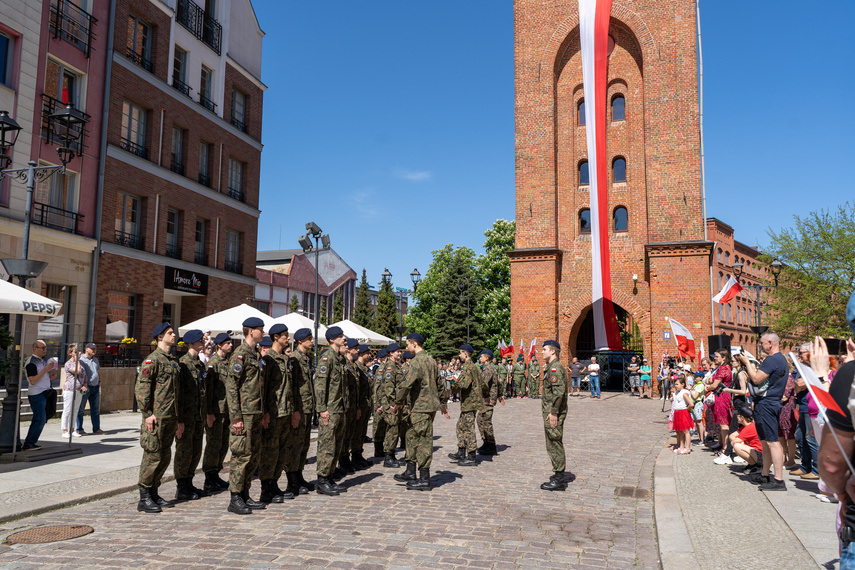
(188, 447)
(468, 385)
(491, 392)
(216, 415)
(554, 409)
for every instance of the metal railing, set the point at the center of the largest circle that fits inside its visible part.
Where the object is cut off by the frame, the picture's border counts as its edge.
(57, 218)
(181, 86)
(236, 193)
(200, 258)
(233, 267)
(239, 125)
(173, 251)
(72, 23)
(207, 103)
(134, 148)
(176, 167)
(49, 106)
(200, 23)
(128, 240)
(139, 60)
(204, 180)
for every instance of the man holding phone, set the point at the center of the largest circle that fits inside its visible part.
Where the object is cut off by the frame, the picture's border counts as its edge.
(40, 371)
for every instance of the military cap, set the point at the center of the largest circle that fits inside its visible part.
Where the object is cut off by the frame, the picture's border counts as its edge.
(278, 328)
(302, 334)
(363, 348)
(407, 355)
(352, 343)
(392, 348)
(382, 353)
(850, 312)
(266, 341)
(222, 337)
(416, 337)
(333, 332)
(552, 343)
(519, 357)
(467, 347)
(488, 352)
(193, 335)
(160, 329)
(253, 323)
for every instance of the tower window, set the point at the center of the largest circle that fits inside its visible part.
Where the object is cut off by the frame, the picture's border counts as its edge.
(618, 108)
(580, 108)
(585, 221)
(619, 170)
(621, 219)
(584, 177)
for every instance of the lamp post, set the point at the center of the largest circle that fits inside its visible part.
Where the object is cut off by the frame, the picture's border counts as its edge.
(68, 123)
(415, 276)
(313, 231)
(775, 267)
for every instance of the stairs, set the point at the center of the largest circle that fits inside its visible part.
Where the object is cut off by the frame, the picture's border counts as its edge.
(26, 412)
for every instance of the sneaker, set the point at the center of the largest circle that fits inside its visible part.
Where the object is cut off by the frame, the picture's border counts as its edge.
(790, 467)
(76, 434)
(65, 435)
(723, 460)
(751, 469)
(773, 485)
(827, 499)
(759, 479)
(31, 447)
(737, 459)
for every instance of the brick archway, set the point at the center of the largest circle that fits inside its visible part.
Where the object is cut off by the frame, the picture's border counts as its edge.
(572, 317)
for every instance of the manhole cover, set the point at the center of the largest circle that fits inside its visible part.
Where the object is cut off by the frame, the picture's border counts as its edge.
(45, 534)
(633, 492)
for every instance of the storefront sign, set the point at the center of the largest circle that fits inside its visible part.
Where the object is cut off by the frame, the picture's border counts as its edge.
(186, 281)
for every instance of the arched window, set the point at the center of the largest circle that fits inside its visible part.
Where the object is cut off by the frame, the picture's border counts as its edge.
(585, 221)
(621, 219)
(727, 258)
(721, 312)
(728, 313)
(619, 170)
(618, 108)
(584, 178)
(580, 112)
(720, 280)
(719, 256)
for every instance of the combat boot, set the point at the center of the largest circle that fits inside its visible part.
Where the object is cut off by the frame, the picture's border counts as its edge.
(146, 504)
(359, 462)
(325, 487)
(461, 453)
(293, 484)
(346, 465)
(338, 474)
(277, 490)
(200, 492)
(219, 480)
(422, 483)
(268, 493)
(305, 486)
(409, 474)
(250, 502)
(237, 506)
(212, 483)
(378, 449)
(555, 483)
(183, 491)
(162, 503)
(390, 460)
(469, 461)
(489, 448)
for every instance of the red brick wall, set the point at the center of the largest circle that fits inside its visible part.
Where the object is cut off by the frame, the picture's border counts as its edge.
(254, 100)
(155, 17)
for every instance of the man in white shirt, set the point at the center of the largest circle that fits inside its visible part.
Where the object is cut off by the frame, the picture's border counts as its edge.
(594, 377)
(40, 371)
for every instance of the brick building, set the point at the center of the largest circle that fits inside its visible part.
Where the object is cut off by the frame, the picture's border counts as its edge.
(660, 253)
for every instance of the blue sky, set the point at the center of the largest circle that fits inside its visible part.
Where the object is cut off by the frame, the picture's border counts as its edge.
(391, 124)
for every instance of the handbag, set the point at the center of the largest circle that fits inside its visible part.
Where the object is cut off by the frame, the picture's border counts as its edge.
(50, 403)
(709, 401)
(758, 392)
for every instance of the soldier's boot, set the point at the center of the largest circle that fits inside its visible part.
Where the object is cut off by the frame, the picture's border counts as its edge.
(325, 487)
(469, 461)
(161, 502)
(346, 465)
(489, 448)
(268, 493)
(461, 453)
(212, 484)
(390, 460)
(378, 449)
(409, 474)
(184, 491)
(293, 487)
(555, 483)
(403, 444)
(237, 506)
(359, 462)
(250, 502)
(305, 486)
(200, 492)
(147, 504)
(219, 480)
(338, 474)
(287, 495)
(422, 483)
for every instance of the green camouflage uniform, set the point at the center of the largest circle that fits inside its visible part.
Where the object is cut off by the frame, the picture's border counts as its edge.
(297, 440)
(377, 391)
(245, 394)
(519, 378)
(533, 379)
(188, 448)
(392, 378)
(329, 388)
(503, 374)
(216, 436)
(555, 402)
(280, 405)
(423, 391)
(351, 401)
(364, 403)
(471, 401)
(157, 393)
(489, 389)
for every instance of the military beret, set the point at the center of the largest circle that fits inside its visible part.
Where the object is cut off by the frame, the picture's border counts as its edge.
(193, 335)
(302, 334)
(392, 348)
(222, 337)
(160, 329)
(382, 353)
(552, 343)
(333, 332)
(266, 341)
(352, 343)
(467, 347)
(519, 357)
(416, 337)
(488, 352)
(407, 355)
(850, 312)
(253, 323)
(363, 348)
(278, 328)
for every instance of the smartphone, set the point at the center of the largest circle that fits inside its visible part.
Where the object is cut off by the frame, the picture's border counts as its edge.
(835, 346)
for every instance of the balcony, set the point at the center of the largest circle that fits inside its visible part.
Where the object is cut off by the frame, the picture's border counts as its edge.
(237, 194)
(208, 104)
(176, 167)
(134, 148)
(73, 24)
(200, 258)
(233, 267)
(181, 86)
(239, 125)
(57, 218)
(49, 106)
(204, 180)
(173, 251)
(140, 60)
(200, 24)
(128, 240)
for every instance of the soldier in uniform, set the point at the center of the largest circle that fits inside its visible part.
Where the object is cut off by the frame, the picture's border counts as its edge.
(471, 401)
(352, 413)
(519, 377)
(217, 415)
(392, 377)
(188, 448)
(423, 392)
(280, 406)
(492, 392)
(379, 422)
(504, 375)
(329, 388)
(158, 398)
(297, 440)
(245, 393)
(533, 378)
(264, 346)
(365, 405)
(554, 409)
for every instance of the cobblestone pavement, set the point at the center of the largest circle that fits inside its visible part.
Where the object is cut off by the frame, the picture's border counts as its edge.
(490, 516)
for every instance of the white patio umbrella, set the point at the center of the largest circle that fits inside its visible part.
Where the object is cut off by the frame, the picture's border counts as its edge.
(295, 321)
(362, 334)
(228, 321)
(17, 300)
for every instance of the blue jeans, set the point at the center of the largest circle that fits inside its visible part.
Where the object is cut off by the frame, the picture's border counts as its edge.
(847, 556)
(38, 403)
(595, 386)
(93, 396)
(808, 446)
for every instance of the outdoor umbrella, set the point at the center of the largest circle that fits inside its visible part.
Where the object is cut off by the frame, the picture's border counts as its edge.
(17, 300)
(228, 321)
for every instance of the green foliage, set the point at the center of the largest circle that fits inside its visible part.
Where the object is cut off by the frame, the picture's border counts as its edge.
(421, 317)
(386, 319)
(338, 307)
(818, 275)
(294, 306)
(457, 300)
(322, 313)
(494, 276)
(362, 313)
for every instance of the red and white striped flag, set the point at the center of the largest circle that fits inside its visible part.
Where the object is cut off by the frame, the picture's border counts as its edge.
(684, 338)
(731, 290)
(815, 387)
(532, 351)
(510, 349)
(594, 34)
(522, 347)
(703, 353)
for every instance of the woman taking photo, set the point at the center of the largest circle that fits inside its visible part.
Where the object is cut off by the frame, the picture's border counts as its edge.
(75, 381)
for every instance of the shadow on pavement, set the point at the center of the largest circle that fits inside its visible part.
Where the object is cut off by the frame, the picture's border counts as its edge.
(359, 479)
(440, 478)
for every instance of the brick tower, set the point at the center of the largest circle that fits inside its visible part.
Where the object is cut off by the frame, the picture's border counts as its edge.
(660, 259)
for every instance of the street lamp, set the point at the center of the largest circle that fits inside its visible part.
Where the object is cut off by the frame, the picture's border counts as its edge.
(305, 241)
(415, 276)
(775, 267)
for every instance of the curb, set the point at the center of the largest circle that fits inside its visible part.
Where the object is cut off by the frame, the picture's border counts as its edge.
(675, 546)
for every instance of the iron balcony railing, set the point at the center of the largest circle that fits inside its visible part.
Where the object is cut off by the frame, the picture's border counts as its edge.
(177, 167)
(236, 193)
(73, 24)
(233, 267)
(128, 240)
(49, 106)
(140, 60)
(207, 103)
(173, 251)
(200, 23)
(239, 125)
(181, 86)
(200, 258)
(57, 218)
(204, 180)
(134, 148)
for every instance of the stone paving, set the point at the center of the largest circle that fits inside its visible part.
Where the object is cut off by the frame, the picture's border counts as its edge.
(490, 516)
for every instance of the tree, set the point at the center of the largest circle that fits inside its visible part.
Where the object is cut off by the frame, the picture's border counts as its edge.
(421, 316)
(818, 274)
(457, 301)
(386, 320)
(494, 276)
(294, 306)
(322, 313)
(338, 307)
(362, 313)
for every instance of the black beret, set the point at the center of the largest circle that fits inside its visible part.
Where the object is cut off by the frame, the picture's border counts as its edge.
(416, 337)
(382, 353)
(363, 348)
(160, 329)
(301, 334)
(278, 328)
(467, 347)
(552, 343)
(333, 332)
(407, 355)
(352, 343)
(266, 341)
(253, 323)
(193, 335)
(488, 352)
(392, 348)
(222, 337)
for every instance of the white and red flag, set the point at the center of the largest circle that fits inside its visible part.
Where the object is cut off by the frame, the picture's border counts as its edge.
(731, 289)
(510, 349)
(703, 353)
(532, 351)
(503, 348)
(815, 387)
(684, 338)
(594, 34)
(522, 347)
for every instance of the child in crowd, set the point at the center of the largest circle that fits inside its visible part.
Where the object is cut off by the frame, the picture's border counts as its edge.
(745, 442)
(682, 419)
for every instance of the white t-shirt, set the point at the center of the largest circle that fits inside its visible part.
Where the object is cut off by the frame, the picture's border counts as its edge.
(679, 400)
(594, 369)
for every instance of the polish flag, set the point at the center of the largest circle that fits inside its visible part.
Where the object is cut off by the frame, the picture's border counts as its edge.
(731, 289)
(522, 347)
(503, 348)
(532, 351)
(703, 353)
(684, 338)
(510, 349)
(815, 387)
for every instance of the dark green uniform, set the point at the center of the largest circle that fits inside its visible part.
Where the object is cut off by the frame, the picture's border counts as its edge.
(351, 405)
(363, 404)
(533, 379)
(379, 421)
(423, 392)
(504, 373)
(392, 378)
(245, 395)
(555, 402)
(216, 436)
(471, 401)
(280, 405)
(157, 393)
(329, 388)
(489, 390)
(188, 448)
(297, 440)
(518, 372)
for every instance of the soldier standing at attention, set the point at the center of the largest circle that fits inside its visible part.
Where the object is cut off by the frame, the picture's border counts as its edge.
(280, 406)
(158, 398)
(471, 401)
(554, 407)
(217, 414)
(329, 388)
(247, 411)
(352, 413)
(503, 375)
(379, 422)
(392, 378)
(188, 448)
(533, 378)
(423, 391)
(297, 439)
(492, 393)
(519, 377)
(365, 404)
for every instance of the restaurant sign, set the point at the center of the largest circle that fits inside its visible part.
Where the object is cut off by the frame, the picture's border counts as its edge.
(186, 281)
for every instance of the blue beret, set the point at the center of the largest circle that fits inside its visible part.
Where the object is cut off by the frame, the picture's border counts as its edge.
(467, 347)
(160, 329)
(488, 352)
(363, 348)
(193, 335)
(392, 348)
(850, 312)
(302, 334)
(408, 355)
(222, 337)
(416, 337)
(552, 343)
(382, 353)
(333, 332)
(278, 328)
(253, 322)
(352, 343)
(266, 341)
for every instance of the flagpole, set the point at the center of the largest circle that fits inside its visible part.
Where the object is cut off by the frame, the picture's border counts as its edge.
(701, 127)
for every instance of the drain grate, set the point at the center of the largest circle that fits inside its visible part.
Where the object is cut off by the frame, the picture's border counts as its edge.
(633, 492)
(43, 534)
